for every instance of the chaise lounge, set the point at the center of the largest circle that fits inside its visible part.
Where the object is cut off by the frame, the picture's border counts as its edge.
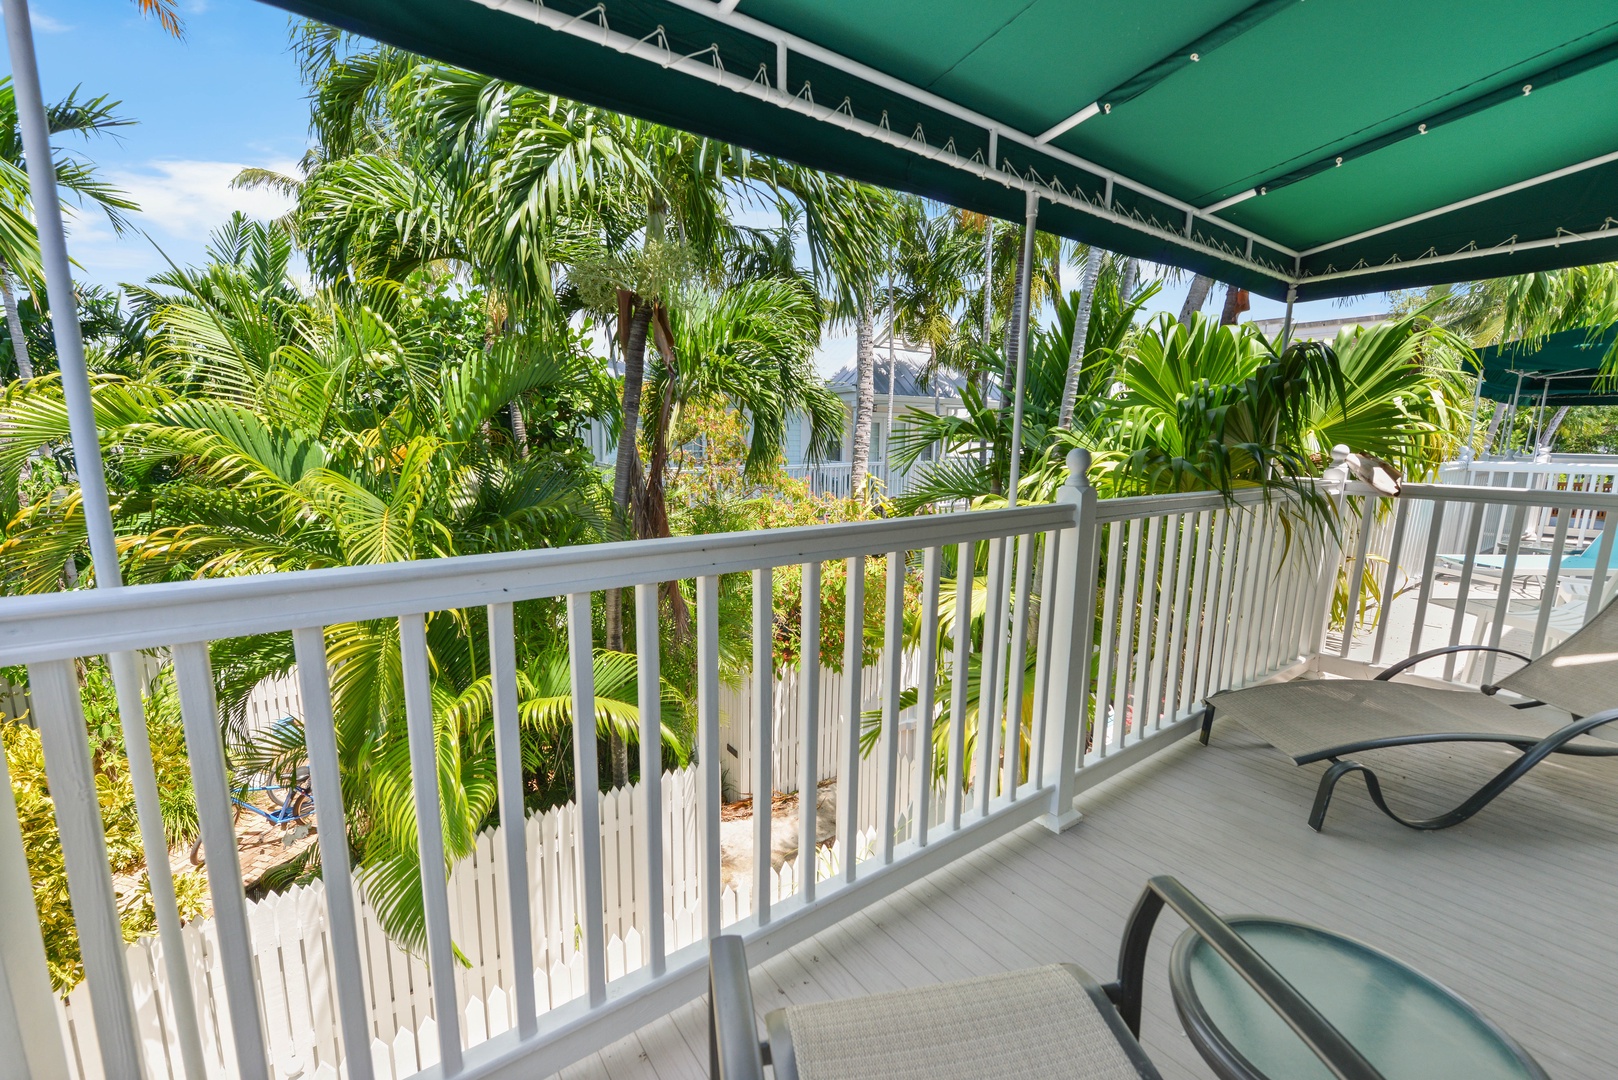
(1330, 719)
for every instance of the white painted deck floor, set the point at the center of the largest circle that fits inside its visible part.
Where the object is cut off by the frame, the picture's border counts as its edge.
(1517, 909)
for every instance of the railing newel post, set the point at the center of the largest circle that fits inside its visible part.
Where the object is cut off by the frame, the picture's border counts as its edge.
(1067, 720)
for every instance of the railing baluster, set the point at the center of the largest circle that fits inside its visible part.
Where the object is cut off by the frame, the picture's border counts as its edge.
(1598, 579)
(193, 678)
(1356, 576)
(1228, 590)
(1547, 596)
(1180, 613)
(809, 726)
(848, 776)
(649, 683)
(1195, 622)
(326, 782)
(1261, 661)
(1508, 572)
(708, 748)
(28, 1019)
(892, 676)
(1168, 608)
(1391, 579)
(964, 585)
(1140, 701)
(763, 736)
(989, 689)
(1127, 647)
(54, 688)
(1042, 665)
(1218, 561)
(932, 566)
(418, 701)
(159, 877)
(1435, 529)
(1247, 578)
(1016, 683)
(1474, 526)
(1109, 635)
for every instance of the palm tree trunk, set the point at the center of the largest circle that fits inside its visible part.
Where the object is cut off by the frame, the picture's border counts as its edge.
(1081, 333)
(1008, 373)
(19, 341)
(519, 429)
(1195, 298)
(627, 462)
(1126, 285)
(1235, 303)
(864, 398)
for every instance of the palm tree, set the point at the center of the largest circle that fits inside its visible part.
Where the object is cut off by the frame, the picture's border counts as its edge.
(1195, 297)
(751, 348)
(1212, 407)
(1108, 333)
(19, 241)
(164, 11)
(277, 431)
(849, 229)
(1081, 332)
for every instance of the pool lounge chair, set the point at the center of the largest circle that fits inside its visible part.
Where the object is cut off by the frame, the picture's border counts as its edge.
(1493, 567)
(1331, 719)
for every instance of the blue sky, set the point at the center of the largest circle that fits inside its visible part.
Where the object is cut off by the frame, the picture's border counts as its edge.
(226, 97)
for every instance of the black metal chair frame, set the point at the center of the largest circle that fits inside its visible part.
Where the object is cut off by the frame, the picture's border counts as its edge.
(1534, 750)
(735, 1052)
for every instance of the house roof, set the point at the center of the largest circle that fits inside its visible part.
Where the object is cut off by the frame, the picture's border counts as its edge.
(909, 381)
(1337, 148)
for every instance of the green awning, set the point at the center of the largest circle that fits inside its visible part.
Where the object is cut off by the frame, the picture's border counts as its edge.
(1562, 369)
(1339, 147)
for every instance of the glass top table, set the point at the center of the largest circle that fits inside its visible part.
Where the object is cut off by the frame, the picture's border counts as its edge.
(1405, 1024)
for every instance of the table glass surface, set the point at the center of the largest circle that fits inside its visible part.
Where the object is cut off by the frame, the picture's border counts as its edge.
(1406, 1025)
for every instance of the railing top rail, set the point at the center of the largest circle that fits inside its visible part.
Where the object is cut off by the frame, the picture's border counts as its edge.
(1500, 496)
(1183, 502)
(1592, 464)
(60, 626)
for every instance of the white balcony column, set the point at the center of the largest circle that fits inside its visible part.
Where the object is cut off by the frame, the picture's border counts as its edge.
(97, 510)
(1031, 218)
(1067, 704)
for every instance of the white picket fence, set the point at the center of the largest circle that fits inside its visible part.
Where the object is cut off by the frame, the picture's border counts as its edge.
(289, 936)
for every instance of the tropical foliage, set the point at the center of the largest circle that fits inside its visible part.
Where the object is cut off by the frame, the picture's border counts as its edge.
(471, 272)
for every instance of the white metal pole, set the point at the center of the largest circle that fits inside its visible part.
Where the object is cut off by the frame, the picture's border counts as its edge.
(1024, 290)
(988, 299)
(95, 506)
(887, 439)
(1286, 322)
(59, 288)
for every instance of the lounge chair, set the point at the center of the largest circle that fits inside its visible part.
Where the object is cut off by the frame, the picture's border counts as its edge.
(1330, 719)
(1493, 567)
(1054, 1022)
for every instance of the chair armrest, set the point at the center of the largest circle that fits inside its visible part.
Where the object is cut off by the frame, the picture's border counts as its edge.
(1411, 661)
(733, 1047)
(1329, 1045)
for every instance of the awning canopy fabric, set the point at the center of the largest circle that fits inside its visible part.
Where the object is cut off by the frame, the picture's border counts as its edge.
(1562, 369)
(1336, 147)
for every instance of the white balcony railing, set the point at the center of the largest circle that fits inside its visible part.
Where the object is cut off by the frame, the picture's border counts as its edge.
(1143, 607)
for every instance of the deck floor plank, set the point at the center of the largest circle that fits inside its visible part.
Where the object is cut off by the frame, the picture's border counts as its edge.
(1513, 909)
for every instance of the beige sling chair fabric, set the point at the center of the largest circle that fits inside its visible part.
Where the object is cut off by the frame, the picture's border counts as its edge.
(1039, 1023)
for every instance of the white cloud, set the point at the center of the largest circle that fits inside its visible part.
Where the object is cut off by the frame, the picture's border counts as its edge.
(186, 199)
(47, 24)
(181, 202)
